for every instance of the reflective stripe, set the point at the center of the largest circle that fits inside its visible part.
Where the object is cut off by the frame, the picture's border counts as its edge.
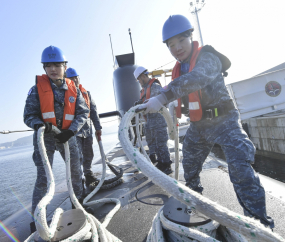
(48, 115)
(194, 106)
(69, 117)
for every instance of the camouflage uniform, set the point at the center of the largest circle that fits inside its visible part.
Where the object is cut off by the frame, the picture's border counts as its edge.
(85, 140)
(32, 116)
(156, 132)
(224, 130)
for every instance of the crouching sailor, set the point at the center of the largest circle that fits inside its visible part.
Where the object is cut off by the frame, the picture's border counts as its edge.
(84, 136)
(55, 100)
(156, 127)
(214, 119)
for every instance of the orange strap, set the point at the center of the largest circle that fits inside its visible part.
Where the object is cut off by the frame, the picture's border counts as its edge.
(148, 89)
(86, 96)
(197, 113)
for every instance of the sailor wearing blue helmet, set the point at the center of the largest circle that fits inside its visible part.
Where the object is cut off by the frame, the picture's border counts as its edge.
(55, 100)
(84, 136)
(199, 85)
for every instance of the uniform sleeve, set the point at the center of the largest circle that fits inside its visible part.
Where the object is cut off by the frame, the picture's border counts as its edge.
(205, 71)
(32, 110)
(93, 113)
(81, 113)
(155, 89)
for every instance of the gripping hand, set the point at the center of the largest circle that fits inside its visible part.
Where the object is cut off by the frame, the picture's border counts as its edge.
(64, 136)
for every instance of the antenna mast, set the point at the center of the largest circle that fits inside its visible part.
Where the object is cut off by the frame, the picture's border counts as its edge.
(131, 39)
(195, 7)
(112, 51)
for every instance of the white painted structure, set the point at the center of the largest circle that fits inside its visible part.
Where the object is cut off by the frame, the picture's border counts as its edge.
(262, 107)
(260, 94)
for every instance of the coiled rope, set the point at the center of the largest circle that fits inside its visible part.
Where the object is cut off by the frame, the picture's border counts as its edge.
(93, 229)
(248, 227)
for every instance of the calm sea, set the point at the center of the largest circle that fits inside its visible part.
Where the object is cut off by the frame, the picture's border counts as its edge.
(18, 174)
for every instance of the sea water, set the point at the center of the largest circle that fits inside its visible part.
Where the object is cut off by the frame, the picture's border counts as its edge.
(18, 174)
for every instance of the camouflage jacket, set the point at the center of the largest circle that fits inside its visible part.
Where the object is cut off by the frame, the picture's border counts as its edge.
(207, 76)
(155, 120)
(33, 114)
(86, 130)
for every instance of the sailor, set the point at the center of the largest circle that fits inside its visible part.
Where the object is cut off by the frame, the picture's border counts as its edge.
(55, 100)
(84, 136)
(197, 75)
(156, 127)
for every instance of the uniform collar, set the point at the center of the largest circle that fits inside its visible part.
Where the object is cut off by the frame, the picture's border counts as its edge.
(63, 86)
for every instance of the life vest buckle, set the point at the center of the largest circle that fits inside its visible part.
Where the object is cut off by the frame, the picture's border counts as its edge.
(209, 114)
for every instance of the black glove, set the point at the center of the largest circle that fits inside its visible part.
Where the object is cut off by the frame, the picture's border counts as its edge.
(48, 127)
(64, 136)
(138, 102)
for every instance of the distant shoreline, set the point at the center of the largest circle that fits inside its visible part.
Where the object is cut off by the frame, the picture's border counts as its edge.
(28, 140)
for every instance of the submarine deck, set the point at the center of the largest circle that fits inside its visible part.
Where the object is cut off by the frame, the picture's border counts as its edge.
(141, 199)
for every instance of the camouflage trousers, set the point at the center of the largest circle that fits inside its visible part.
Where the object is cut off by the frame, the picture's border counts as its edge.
(239, 152)
(157, 143)
(51, 145)
(85, 153)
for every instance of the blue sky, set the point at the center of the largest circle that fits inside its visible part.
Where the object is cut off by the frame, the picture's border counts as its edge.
(250, 33)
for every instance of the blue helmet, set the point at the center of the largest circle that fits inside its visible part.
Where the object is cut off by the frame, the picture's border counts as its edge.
(174, 25)
(53, 54)
(70, 72)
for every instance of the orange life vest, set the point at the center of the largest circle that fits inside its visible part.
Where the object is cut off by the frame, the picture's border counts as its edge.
(195, 107)
(46, 97)
(86, 96)
(147, 95)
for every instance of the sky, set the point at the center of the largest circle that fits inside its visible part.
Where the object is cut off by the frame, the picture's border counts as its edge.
(249, 33)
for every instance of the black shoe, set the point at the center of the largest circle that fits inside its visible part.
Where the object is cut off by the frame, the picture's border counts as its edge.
(90, 178)
(164, 168)
(153, 159)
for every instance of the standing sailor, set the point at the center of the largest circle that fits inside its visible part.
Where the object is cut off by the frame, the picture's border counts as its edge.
(214, 118)
(84, 136)
(55, 100)
(156, 127)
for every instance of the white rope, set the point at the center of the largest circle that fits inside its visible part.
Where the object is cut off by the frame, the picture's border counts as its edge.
(93, 229)
(251, 229)
(172, 112)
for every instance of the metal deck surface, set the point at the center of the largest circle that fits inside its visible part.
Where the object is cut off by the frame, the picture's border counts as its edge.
(141, 199)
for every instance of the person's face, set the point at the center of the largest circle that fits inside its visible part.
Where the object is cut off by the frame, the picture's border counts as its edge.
(55, 70)
(76, 80)
(180, 47)
(143, 79)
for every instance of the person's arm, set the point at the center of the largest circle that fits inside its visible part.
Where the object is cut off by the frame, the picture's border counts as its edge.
(155, 89)
(32, 110)
(81, 113)
(205, 71)
(93, 114)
